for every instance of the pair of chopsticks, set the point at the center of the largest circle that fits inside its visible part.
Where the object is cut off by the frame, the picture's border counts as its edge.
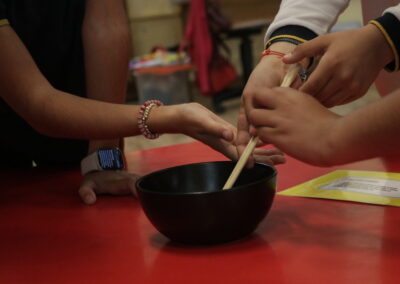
(287, 81)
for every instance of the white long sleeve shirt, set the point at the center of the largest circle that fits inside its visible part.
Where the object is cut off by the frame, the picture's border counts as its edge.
(318, 16)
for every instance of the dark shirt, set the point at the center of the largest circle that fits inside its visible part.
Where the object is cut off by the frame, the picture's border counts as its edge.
(51, 30)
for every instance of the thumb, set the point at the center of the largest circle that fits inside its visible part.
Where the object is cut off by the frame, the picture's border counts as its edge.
(118, 186)
(252, 130)
(87, 192)
(228, 135)
(132, 186)
(308, 49)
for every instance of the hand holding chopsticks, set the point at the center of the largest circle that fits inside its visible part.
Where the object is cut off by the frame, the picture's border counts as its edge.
(287, 81)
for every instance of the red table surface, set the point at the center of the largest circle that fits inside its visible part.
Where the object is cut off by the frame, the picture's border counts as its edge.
(48, 236)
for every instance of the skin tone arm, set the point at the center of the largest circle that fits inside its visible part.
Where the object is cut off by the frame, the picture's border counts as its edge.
(300, 126)
(50, 111)
(58, 114)
(106, 37)
(347, 67)
(345, 72)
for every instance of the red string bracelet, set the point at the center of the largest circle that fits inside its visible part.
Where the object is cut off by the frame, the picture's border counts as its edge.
(272, 52)
(143, 117)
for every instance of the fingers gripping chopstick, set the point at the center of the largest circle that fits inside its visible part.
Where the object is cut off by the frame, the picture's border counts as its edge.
(287, 81)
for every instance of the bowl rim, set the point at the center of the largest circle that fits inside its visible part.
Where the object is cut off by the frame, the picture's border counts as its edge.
(234, 188)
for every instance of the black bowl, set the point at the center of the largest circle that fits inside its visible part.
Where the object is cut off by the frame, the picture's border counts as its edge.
(187, 203)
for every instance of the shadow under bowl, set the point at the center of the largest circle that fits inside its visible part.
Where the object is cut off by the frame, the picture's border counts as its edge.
(187, 204)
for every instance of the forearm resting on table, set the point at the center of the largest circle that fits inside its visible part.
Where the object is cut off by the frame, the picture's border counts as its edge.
(371, 131)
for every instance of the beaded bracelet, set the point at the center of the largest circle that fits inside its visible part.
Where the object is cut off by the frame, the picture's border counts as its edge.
(143, 117)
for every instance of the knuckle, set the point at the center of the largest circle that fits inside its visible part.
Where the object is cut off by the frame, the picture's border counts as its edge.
(334, 61)
(252, 116)
(345, 77)
(247, 97)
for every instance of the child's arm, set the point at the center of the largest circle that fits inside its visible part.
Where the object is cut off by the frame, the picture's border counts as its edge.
(296, 22)
(300, 126)
(301, 18)
(351, 60)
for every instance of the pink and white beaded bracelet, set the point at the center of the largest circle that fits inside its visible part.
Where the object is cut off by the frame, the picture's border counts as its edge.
(143, 117)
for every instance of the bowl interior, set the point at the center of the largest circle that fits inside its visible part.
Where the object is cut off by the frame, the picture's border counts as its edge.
(201, 178)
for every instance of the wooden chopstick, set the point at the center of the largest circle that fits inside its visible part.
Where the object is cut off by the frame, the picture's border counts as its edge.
(287, 81)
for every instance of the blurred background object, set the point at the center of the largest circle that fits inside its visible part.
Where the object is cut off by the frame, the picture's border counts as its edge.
(162, 23)
(162, 75)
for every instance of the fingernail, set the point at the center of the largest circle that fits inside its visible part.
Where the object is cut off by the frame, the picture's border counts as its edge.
(227, 135)
(253, 130)
(90, 199)
(132, 186)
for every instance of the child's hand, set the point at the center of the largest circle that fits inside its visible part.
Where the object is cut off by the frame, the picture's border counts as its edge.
(295, 123)
(267, 74)
(350, 62)
(107, 182)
